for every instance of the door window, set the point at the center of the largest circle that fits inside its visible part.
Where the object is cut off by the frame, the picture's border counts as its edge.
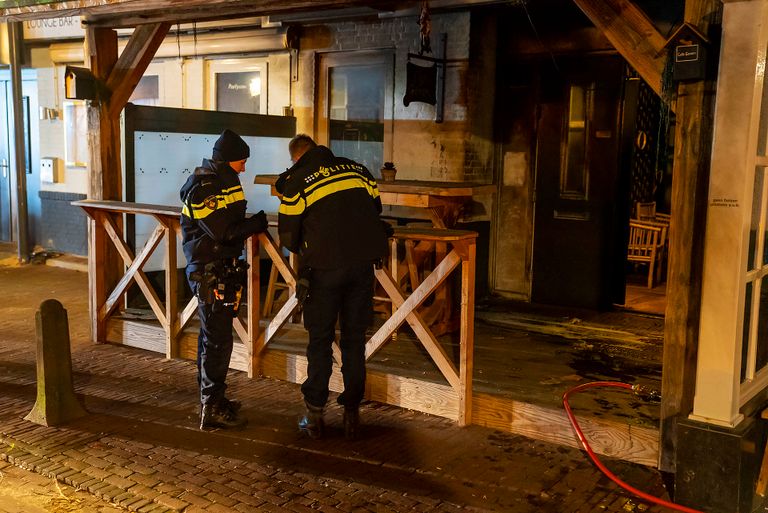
(574, 173)
(238, 85)
(354, 106)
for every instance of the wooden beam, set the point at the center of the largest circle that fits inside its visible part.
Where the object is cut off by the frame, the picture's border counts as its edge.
(631, 32)
(171, 292)
(690, 179)
(97, 289)
(103, 131)
(467, 332)
(104, 176)
(132, 64)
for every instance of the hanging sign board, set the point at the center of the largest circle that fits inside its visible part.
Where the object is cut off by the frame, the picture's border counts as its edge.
(67, 27)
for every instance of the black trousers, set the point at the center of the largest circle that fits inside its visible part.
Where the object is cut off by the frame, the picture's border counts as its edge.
(214, 349)
(345, 294)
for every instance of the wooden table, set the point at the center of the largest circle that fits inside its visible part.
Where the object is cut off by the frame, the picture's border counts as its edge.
(444, 201)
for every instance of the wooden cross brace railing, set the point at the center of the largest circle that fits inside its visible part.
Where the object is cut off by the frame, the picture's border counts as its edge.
(105, 221)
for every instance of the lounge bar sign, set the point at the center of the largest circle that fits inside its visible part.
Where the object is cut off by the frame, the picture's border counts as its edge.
(53, 28)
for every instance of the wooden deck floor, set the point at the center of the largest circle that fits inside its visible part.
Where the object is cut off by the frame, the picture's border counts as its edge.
(523, 364)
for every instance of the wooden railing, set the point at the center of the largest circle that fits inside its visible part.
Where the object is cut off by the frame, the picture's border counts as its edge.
(105, 218)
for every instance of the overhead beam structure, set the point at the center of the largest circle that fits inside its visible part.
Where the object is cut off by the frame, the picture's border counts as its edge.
(632, 34)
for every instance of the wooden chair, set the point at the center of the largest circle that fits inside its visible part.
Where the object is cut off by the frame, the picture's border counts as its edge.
(645, 211)
(647, 244)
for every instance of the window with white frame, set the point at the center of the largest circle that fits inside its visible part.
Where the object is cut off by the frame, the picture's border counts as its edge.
(237, 85)
(754, 350)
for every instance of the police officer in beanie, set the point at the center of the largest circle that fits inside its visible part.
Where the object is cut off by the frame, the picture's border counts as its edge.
(329, 215)
(214, 228)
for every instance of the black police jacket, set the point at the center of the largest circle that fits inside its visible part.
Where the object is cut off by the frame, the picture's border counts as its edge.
(213, 221)
(329, 212)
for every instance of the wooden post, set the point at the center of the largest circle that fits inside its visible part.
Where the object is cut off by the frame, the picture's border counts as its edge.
(171, 290)
(690, 177)
(254, 311)
(467, 337)
(97, 288)
(104, 177)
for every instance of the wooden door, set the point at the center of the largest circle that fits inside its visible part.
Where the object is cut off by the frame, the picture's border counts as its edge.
(355, 106)
(577, 197)
(6, 231)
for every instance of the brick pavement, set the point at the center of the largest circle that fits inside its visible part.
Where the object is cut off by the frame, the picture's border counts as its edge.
(140, 449)
(29, 492)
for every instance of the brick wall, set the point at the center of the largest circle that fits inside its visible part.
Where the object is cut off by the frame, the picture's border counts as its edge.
(455, 150)
(64, 227)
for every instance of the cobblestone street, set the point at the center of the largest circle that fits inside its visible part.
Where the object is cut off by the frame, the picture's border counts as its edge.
(139, 449)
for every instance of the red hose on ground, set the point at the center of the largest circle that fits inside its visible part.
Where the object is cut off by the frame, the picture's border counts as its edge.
(596, 460)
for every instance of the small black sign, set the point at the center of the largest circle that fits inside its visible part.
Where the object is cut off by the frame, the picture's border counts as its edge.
(687, 53)
(690, 62)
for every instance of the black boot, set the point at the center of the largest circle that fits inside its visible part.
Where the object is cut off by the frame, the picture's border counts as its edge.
(225, 403)
(220, 416)
(311, 423)
(233, 405)
(351, 423)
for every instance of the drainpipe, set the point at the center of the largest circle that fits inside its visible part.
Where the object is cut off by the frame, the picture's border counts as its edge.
(15, 37)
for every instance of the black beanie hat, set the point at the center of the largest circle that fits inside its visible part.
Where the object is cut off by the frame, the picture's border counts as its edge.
(230, 147)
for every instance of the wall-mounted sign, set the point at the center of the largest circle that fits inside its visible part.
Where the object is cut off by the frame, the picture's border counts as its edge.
(53, 28)
(689, 53)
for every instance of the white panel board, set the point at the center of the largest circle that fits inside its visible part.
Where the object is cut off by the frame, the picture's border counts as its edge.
(164, 161)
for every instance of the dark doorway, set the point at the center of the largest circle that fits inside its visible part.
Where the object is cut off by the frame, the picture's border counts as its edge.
(580, 197)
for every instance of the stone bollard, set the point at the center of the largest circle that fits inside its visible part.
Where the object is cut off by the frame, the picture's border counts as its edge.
(56, 401)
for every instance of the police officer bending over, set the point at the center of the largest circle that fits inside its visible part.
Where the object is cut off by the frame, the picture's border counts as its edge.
(329, 215)
(214, 228)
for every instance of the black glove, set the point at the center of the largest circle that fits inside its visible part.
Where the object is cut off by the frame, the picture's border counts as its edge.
(258, 222)
(255, 224)
(302, 285)
(388, 229)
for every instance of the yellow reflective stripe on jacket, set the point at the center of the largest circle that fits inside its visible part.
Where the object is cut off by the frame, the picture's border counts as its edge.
(325, 188)
(319, 183)
(229, 196)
